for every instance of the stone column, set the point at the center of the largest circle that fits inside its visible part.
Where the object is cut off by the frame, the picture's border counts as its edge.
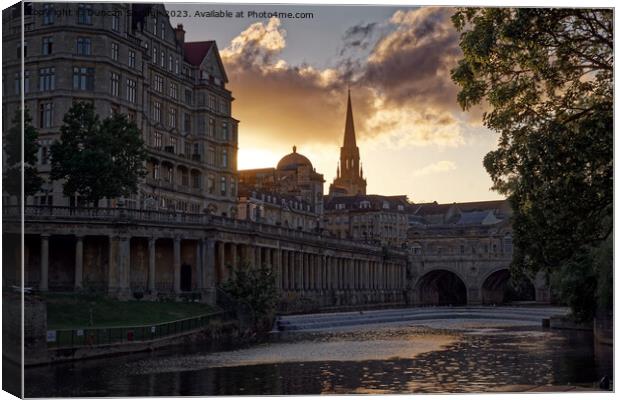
(199, 264)
(268, 260)
(233, 257)
(285, 285)
(221, 261)
(209, 262)
(208, 270)
(112, 264)
(79, 261)
(151, 280)
(124, 261)
(43, 284)
(176, 262)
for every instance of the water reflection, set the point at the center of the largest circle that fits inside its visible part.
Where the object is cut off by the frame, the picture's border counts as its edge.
(475, 360)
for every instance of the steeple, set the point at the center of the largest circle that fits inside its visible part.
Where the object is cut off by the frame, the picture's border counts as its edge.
(349, 127)
(349, 176)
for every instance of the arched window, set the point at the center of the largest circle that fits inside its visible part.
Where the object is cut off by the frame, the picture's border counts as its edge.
(508, 243)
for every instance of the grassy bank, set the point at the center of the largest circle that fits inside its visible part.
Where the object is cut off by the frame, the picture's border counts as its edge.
(78, 311)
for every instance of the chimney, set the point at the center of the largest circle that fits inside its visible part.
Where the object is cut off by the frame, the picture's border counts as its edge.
(180, 34)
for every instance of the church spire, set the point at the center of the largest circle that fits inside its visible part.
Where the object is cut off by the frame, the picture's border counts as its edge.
(349, 128)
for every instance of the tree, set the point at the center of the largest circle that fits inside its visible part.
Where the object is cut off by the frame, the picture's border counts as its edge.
(545, 77)
(98, 159)
(256, 288)
(12, 175)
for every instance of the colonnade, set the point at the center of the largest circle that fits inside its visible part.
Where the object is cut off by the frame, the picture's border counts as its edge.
(302, 270)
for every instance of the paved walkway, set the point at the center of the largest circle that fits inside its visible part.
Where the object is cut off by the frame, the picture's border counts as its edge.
(530, 315)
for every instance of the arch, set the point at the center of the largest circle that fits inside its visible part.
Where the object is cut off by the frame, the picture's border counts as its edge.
(441, 287)
(498, 288)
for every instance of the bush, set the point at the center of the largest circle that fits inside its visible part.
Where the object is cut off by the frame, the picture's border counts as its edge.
(254, 287)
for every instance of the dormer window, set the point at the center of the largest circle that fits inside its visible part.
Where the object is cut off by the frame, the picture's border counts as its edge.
(386, 205)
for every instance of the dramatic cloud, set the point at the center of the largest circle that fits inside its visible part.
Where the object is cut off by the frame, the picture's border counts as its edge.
(401, 87)
(440, 166)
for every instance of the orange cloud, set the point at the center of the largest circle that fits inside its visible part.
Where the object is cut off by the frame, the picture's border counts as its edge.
(402, 92)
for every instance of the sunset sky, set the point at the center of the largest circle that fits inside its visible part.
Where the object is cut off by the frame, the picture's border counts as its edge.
(289, 78)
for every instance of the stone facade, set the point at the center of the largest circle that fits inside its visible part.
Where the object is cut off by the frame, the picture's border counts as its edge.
(381, 220)
(127, 58)
(276, 209)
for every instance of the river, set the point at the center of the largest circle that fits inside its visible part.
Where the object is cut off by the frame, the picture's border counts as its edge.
(432, 356)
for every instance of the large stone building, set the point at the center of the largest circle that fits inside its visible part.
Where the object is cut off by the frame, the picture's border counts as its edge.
(349, 179)
(293, 176)
(382, 220)
(127, 58)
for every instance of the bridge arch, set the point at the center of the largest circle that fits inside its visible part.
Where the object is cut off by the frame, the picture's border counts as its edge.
(441, 287)
(497, 288)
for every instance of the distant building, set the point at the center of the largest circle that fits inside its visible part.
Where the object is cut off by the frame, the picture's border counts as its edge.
(376, 219)
(294, 176)
(349, 179)
(276, 209)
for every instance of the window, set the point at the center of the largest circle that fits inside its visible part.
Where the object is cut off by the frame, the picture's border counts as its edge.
(173, 91)
(83, 78)
(154, 55)
(132, 59)
(172, 117)
(211, 184)
(187, 122)
(173, 144)
(18, 81)
(83, 46)
(49, 15)
(156, 171)
(116, 22)
(85, 16)
(224, 131)
(157, 111)
(232, 187)
(19, 50)
(224, 158)
(162, 30)
(45, 115)
(163, 59)
(158, 83)
(187, 149)
(188, 96)
(170, 63)
(157, 140)
(211, 127)
(212, 102)
(114, 81)
(115, 51)
(176, 66)
(223, 186)
(45, 153)
(131, 90)
(46, 45)
(508, 244)
(46, 79)
(211, 155)
(155, 26)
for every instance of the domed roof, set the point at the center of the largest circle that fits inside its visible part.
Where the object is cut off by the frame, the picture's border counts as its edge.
(294, 160)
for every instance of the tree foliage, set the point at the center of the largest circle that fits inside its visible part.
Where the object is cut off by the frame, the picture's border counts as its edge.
(255, 287)
(98, 159)
(12, 174)
(545, 77)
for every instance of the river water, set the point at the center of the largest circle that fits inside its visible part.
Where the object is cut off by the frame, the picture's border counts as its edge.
(434, 356)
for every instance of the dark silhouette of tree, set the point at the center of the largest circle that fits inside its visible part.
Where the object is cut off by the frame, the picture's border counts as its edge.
(12, 174)
(545, 77)
(98, 159)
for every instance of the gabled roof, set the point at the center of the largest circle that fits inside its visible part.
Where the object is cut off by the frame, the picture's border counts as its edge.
(195, 53)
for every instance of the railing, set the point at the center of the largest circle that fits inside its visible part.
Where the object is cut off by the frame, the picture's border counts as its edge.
(71, 338)
(55, 213)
